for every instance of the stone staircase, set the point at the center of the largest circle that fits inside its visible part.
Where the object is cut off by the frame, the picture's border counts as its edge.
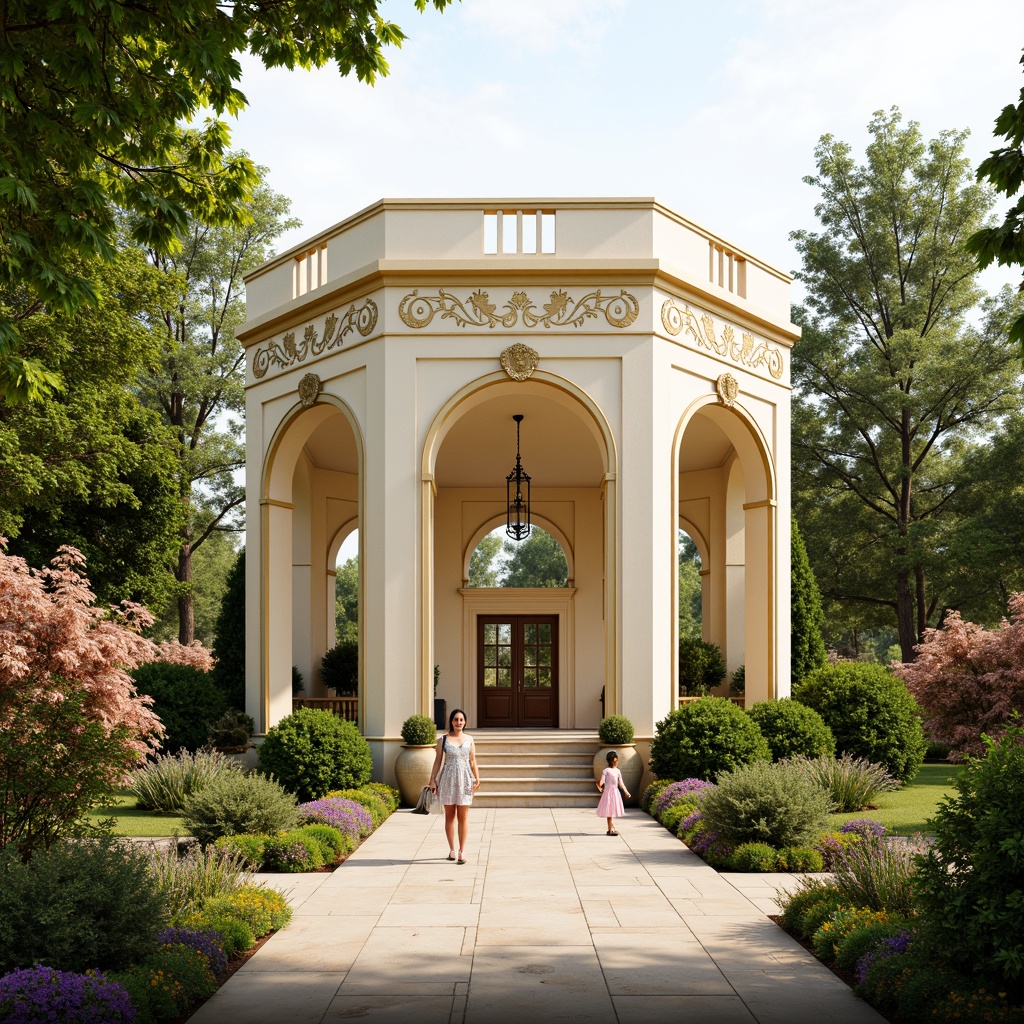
(536, 767)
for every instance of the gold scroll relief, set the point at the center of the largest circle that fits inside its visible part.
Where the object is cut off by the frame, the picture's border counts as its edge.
(742, 350)
(477, 310)
(287, 352)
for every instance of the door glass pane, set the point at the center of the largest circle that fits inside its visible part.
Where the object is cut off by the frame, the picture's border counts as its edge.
(505, 678)
(504, 656)
(530, 678)
(530, 633)
(490, 677)
(504, 632)
(490, 656)
(544, 632)
(545, 655)
(529, 655)
(490, 632)
(544, 677)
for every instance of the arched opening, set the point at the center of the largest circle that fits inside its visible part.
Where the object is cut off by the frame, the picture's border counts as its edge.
(536, 604)
(311, 501)
(726, 506)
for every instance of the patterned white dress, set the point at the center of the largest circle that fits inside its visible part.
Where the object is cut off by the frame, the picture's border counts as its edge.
(455, 780)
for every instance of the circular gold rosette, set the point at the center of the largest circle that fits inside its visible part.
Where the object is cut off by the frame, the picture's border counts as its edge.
(519, 361)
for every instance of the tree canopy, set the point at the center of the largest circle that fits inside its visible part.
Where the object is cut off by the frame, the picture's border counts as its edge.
(1004, 171)
(896, 388)
(98, 108)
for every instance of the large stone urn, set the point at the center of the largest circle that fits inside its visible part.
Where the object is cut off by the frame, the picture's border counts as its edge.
(631, 764)
(412, 770)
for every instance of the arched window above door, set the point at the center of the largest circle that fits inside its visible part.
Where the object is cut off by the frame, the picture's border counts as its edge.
(538, 561)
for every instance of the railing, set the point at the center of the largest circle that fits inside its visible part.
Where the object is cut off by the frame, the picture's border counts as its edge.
(738, 701)
(344, 707)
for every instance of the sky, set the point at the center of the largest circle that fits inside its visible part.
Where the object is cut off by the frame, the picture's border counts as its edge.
(713, 108)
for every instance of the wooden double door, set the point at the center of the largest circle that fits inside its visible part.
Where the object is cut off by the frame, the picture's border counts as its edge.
(517, 671)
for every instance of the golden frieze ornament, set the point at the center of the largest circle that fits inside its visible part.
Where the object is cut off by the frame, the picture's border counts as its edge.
(309, 390)
(727, 389)
(417, 311)
(519, 361)
(288, 351)
(744, 350)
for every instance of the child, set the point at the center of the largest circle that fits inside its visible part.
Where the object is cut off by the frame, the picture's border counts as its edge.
(610, 804)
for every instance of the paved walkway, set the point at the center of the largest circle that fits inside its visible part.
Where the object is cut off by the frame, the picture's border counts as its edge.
(550, 920)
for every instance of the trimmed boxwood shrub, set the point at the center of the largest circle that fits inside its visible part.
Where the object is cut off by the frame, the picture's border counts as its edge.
(701, 666)
(312, 751)
(292, 851)
(755, 857)
(186, 699)
(704, 738)
(386, 793)
(419, 731)
(766, 803)
(791, 729)
(871, 714)
(615, 729)
(800, 858)
(238, 804)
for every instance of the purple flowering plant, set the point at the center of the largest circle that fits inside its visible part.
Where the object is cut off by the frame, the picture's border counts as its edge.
(893, 946)
(866, 828)
(42, 994)
(207, 941)
(679, 791)
(348, 816)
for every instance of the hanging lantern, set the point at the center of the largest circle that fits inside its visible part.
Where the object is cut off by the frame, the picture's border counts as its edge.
(517, 524)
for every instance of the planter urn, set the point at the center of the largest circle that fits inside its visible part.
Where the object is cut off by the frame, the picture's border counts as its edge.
(412, 770)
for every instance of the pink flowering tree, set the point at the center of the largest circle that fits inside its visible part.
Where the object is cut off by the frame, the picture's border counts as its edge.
(71, 722)
(969, 680)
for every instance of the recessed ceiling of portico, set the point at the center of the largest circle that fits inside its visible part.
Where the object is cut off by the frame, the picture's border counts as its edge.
(332, 446)
(704, 445)
(557, 445)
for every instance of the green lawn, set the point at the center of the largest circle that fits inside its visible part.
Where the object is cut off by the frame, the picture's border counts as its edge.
(130, 821)
(908, 809)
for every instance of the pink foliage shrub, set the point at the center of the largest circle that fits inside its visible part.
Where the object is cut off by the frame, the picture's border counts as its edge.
(193, 654)
(968, 680)
(52, 634)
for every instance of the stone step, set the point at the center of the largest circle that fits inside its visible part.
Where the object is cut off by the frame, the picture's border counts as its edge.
(514, 798)
(570, 762)
(538, 769)
(527, 784)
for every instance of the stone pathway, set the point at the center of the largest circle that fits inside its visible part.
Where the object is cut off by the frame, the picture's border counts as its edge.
(549, 920)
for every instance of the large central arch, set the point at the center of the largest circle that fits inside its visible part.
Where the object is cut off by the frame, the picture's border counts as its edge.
(582, 429)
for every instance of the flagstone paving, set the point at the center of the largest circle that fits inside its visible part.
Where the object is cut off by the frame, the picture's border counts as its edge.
(549, 918)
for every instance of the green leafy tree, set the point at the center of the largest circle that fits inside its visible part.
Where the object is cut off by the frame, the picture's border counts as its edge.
(346, 600)
(483, 572)
(229, 644)
(1004, 171)
(97, 106)
(198, 387)
(538, 561)
(690, 612)
(92, 467)
(893, 384)
(807, 618)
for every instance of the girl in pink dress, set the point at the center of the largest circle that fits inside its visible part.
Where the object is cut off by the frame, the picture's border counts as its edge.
(610, 804)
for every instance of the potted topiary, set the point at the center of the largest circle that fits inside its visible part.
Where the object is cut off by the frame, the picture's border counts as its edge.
(616, 733)
(231, 734)
(416, 758)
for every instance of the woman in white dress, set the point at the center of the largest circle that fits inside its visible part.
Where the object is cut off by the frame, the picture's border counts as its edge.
(454, 778)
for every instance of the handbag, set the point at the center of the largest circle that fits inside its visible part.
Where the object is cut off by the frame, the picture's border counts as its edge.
(424, 802)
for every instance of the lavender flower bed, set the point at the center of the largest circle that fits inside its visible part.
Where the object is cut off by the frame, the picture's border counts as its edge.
(670, 794)
(43, 994)
(208, 942)
(348, 816)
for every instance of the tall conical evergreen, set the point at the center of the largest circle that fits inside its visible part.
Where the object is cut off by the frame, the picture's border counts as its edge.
(229, 646)
(808, 647)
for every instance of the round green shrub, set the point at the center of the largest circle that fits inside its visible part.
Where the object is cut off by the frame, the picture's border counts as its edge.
(615, 729)
(863, 939)
(674, 814)
(819, 913)
(801, 858)
(84, 903)
(312, 751)
(339, 668)
(238, 804)
(871, 714)
(968, 885)
(248, 847)
(755, 857)
(769, 803)
(703, 739)
(333, 844)
(232, 730)
(792, 729)
(387, 793)
(701, 666)
(292, 851)
(419, 731)
(186, 699)
(796, 904)
(236, 935)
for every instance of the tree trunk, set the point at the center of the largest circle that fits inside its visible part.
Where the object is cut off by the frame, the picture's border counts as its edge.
(186, 609)
(905, 615)
(922, 604)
